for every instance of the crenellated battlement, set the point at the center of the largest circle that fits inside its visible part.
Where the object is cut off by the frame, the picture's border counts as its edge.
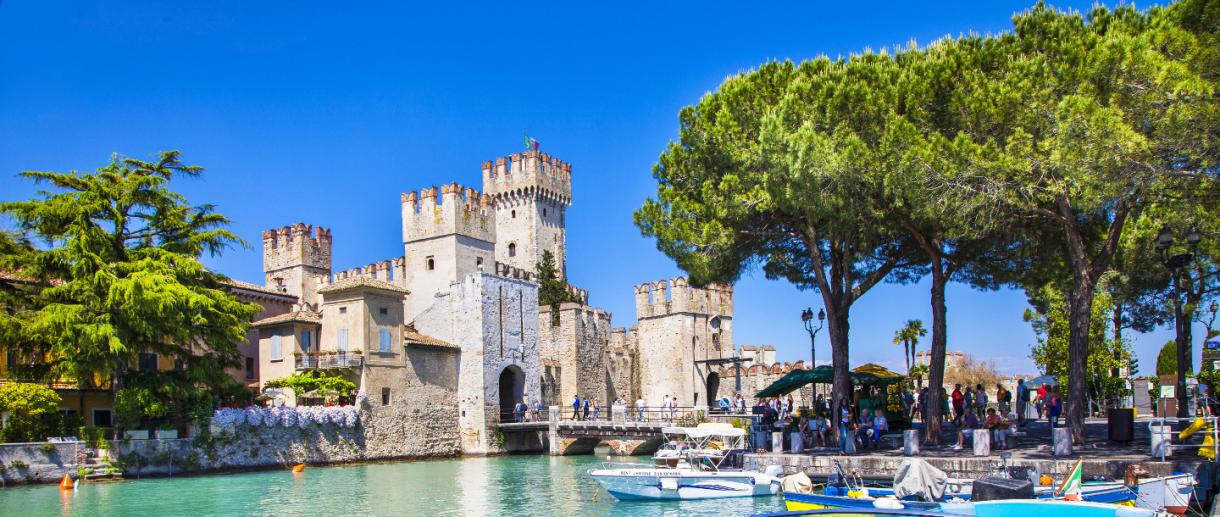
(377, 271)
(296, 245)
(677, 296)
(451, 209)
(528, 173)
(507, 271)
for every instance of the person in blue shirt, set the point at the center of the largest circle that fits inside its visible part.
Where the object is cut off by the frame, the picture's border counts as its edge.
(576, 407)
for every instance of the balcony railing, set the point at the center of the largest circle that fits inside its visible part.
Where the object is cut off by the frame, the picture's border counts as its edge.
(329, 362)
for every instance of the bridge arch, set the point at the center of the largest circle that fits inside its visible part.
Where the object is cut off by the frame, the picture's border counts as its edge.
(512, 389)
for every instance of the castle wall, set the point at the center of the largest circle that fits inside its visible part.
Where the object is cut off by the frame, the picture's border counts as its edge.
(494, 321)
(575, 351)
(679, 325)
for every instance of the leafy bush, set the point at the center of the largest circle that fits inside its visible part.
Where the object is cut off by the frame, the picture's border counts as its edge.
(28, 406)
(305, 382)
(134, 404)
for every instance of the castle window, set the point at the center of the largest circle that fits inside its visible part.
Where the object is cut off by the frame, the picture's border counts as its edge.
(514, 214)
(478, 263)
(383, 310)
(383, 341)
(249, 367)
(148, 362)
(277, 352)
(430, 263)
(342, 310)
(543, 212)
(385, 396)
(512, 249)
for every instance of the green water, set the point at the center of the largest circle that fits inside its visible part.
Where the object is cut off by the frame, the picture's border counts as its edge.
(511, 485)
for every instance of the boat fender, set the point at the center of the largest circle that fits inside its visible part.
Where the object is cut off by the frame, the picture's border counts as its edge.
(861, 493)
(66, 483)
(888, 502)
(299, 467)
(774, 470)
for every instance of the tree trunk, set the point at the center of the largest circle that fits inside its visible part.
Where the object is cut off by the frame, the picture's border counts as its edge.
(1080, 314)
(936, 368)
(837, 324)
(906, 354)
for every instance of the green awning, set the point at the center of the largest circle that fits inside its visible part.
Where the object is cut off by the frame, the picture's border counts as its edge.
(824, 374)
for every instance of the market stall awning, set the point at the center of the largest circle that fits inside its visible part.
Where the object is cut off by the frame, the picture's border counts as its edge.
(875, 375)
(791, 382)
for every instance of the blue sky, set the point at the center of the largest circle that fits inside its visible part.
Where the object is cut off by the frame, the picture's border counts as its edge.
(324, 112)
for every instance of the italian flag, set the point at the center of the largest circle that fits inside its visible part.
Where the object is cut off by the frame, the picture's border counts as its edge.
(1070, 489)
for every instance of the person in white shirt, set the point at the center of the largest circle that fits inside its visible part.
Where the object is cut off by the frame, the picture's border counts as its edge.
(639, 406)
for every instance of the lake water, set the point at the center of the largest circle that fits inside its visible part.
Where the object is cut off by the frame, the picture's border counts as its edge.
(506, 485)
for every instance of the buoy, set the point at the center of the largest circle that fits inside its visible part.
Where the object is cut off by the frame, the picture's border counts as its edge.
(299, 467)
(66, 483)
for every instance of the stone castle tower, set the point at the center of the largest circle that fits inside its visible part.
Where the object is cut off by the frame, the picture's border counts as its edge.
(678, 326)
(445, 239)
(530, 192)
(296, 258)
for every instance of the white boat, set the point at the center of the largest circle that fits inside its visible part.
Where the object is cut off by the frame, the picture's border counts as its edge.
(691, 465)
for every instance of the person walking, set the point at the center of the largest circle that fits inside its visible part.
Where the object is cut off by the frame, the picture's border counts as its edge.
(959, 402)
(665, 405)
(586, 410)
(1040, 402)
(537, 411)
(1022, 400)
(518, 410)
(597, 411)
(922, 402)
(576, 407)
(639, 407)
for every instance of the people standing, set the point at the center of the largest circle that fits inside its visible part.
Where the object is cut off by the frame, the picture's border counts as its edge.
(1054, 407)
(968, 400)
(1022, 400)
(1040, 402)
(922, 402)
(518, 410)
(958, 403)
(639, 406)
(1003, 399)
(845, 425)
(576, 407)
(597, 411)
(980, 400)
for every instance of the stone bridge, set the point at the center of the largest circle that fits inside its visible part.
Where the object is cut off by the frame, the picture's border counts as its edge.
(626, 437)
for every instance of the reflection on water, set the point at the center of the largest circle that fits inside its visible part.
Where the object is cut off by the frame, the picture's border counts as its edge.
(512, 485)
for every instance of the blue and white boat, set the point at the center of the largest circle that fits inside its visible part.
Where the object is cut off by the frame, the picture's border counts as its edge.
(690, 466)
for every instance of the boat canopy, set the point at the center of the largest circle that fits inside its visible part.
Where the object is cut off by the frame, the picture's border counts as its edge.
(706, 430)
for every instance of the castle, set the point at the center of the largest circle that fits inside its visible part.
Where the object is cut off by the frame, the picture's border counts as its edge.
(454, 325)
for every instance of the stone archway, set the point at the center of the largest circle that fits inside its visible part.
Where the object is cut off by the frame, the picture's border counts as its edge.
(713, 387)
(512, 389)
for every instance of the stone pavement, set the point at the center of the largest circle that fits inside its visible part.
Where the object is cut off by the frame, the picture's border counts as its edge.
(1101, 457)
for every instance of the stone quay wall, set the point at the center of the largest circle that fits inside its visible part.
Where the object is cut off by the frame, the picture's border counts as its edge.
(398, 431)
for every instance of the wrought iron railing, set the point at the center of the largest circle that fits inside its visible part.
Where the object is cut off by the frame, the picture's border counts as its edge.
(330, 361)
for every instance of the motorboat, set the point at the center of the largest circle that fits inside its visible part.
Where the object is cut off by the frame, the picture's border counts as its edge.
(918, 486)
(1012, 508)
(694, 463)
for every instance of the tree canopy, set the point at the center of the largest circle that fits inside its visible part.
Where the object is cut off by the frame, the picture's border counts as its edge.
(115, 273)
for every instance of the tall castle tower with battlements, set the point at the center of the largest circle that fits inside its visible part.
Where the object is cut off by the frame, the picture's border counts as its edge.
(445, 238)
(530, 192)
(296, 258)
(678, 326)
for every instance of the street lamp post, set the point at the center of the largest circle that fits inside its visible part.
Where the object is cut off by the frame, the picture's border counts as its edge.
(1176, 264)
(807, 317)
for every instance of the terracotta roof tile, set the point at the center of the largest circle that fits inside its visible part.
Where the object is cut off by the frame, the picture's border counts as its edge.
(410, 335)
(290, 317)
(360, 281)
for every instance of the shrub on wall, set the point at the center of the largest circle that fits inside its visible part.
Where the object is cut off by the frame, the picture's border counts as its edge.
(26, 405)
(305, 382)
